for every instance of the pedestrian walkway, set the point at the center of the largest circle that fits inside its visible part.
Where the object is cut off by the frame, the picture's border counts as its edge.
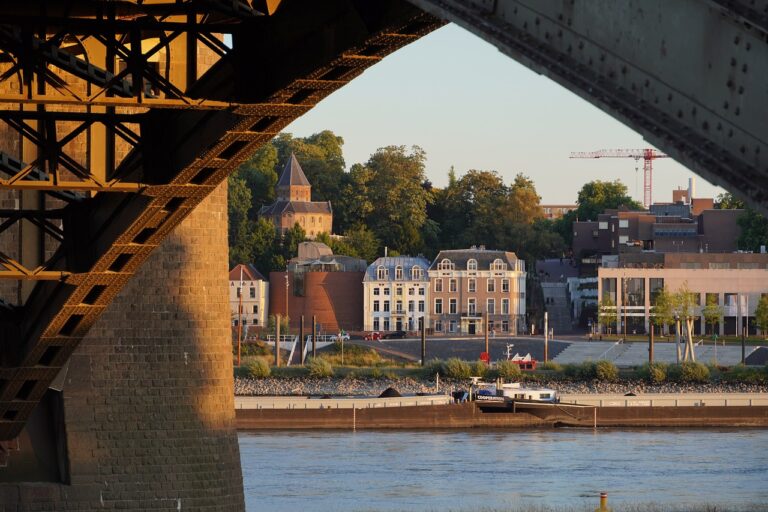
(636, 353)
(558, 307)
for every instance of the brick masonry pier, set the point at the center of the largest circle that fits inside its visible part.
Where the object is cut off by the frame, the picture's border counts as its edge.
(148, 407)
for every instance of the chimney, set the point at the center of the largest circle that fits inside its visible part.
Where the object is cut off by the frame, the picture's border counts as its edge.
(385, 251)
(691, 189)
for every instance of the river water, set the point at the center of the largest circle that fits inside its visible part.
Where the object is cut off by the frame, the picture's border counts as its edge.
(308, 471)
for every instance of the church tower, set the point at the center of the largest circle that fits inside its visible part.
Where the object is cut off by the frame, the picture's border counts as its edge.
(293, 184)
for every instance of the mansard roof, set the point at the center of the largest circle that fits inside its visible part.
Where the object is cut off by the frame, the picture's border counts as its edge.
(293, 174)
(484, 258)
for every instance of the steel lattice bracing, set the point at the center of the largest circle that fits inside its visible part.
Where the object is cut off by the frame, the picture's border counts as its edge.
(113, 134)
(689, 75)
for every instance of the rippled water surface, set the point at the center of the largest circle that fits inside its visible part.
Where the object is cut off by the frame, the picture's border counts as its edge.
(309, 471)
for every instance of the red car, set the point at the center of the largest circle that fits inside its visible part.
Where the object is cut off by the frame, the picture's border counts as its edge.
(372, 336)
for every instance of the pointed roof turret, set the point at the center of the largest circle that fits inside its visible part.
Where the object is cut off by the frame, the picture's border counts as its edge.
(293, 174)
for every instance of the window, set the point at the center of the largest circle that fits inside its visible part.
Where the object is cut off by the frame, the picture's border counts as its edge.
(386, 291)
(410, 291)
(472, 264)
(416, 273)
(386, 306)
(602, 225)
(253, 292)
(452, 326)
(398, 273)
(438, 306)
(375, 306)
(386, 324)
(421, 291)
(438, 285)
(491, 285)
(375, 324)
(452, 285)
(623, 239)
(411, 306)
(491, 307)
(623, 223)
(498, 265)
(399, 305)
(399, 290)
(452, 306)
(255, 309)
(505, 325)
(505, 285)
(438, 326)
(471, 306)
(376, 291)
(382, 272)
(445, 264)
(504, 306)
(238, 292)
(714, 265)
(471, 285)
(421, 306)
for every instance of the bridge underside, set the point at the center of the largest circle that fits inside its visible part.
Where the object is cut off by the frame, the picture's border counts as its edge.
(691, 75)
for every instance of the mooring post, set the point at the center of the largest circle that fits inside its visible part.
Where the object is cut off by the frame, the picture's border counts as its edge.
(546, 337)
(277, 340)
(743, 345)
(603, 503)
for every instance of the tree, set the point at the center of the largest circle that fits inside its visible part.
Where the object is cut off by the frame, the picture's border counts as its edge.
(726, 201)
(761, 315)
(684, 307)
(607, 316)
(239, 203)
(754, 230)
(597, 196)
(260, 175)
(662, 311)
(712, 312)
(398, 199)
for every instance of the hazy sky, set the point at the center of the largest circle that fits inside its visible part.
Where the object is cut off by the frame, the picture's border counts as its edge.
(469, 106)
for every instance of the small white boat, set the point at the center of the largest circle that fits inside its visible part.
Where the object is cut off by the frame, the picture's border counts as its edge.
(512, 392)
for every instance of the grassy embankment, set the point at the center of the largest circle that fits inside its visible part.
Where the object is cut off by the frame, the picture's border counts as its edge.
(362, 362)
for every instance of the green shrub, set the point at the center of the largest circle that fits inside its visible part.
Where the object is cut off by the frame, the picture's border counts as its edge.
(689, 371)
(258, 369)
(479, 369)
(508, 370)
(741, 373)
(434, 366)
(455, 368)
(376, 373)
(319, 367)
(584, 371)
(606, 371)
(655, 373)
(551, 366)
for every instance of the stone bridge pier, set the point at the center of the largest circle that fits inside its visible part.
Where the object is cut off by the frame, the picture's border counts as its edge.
(145, 420)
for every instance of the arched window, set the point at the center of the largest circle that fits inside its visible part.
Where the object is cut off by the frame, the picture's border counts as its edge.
(445, 264)
(416, 272)
(398, 273)
(498, 265)
(472, 264)
(382, 272)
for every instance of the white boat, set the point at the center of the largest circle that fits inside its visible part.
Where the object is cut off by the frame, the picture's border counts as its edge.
(512, 392)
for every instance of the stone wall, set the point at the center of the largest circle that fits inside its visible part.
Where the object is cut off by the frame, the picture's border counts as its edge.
(149, 408)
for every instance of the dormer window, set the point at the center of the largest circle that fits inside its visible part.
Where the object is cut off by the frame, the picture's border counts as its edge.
(498, 265)
(445, 264)
(416, 272)
(382, 272)
(398, 273)
(472, 264)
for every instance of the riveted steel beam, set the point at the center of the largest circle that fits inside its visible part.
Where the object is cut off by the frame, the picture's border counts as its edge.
(697, 93)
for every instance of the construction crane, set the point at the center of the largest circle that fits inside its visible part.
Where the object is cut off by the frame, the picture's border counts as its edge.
(648, 156)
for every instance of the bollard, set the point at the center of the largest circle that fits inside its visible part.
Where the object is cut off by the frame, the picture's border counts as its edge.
(603, 503)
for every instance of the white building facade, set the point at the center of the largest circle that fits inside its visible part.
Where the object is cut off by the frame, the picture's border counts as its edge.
(248, 289)
(396, 294)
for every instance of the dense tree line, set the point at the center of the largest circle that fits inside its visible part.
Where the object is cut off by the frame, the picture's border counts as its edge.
(753, 224)
(388, 202)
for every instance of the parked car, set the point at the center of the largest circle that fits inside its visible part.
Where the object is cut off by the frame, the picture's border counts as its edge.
(343, 336)
(372, 336)
(395, 335)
